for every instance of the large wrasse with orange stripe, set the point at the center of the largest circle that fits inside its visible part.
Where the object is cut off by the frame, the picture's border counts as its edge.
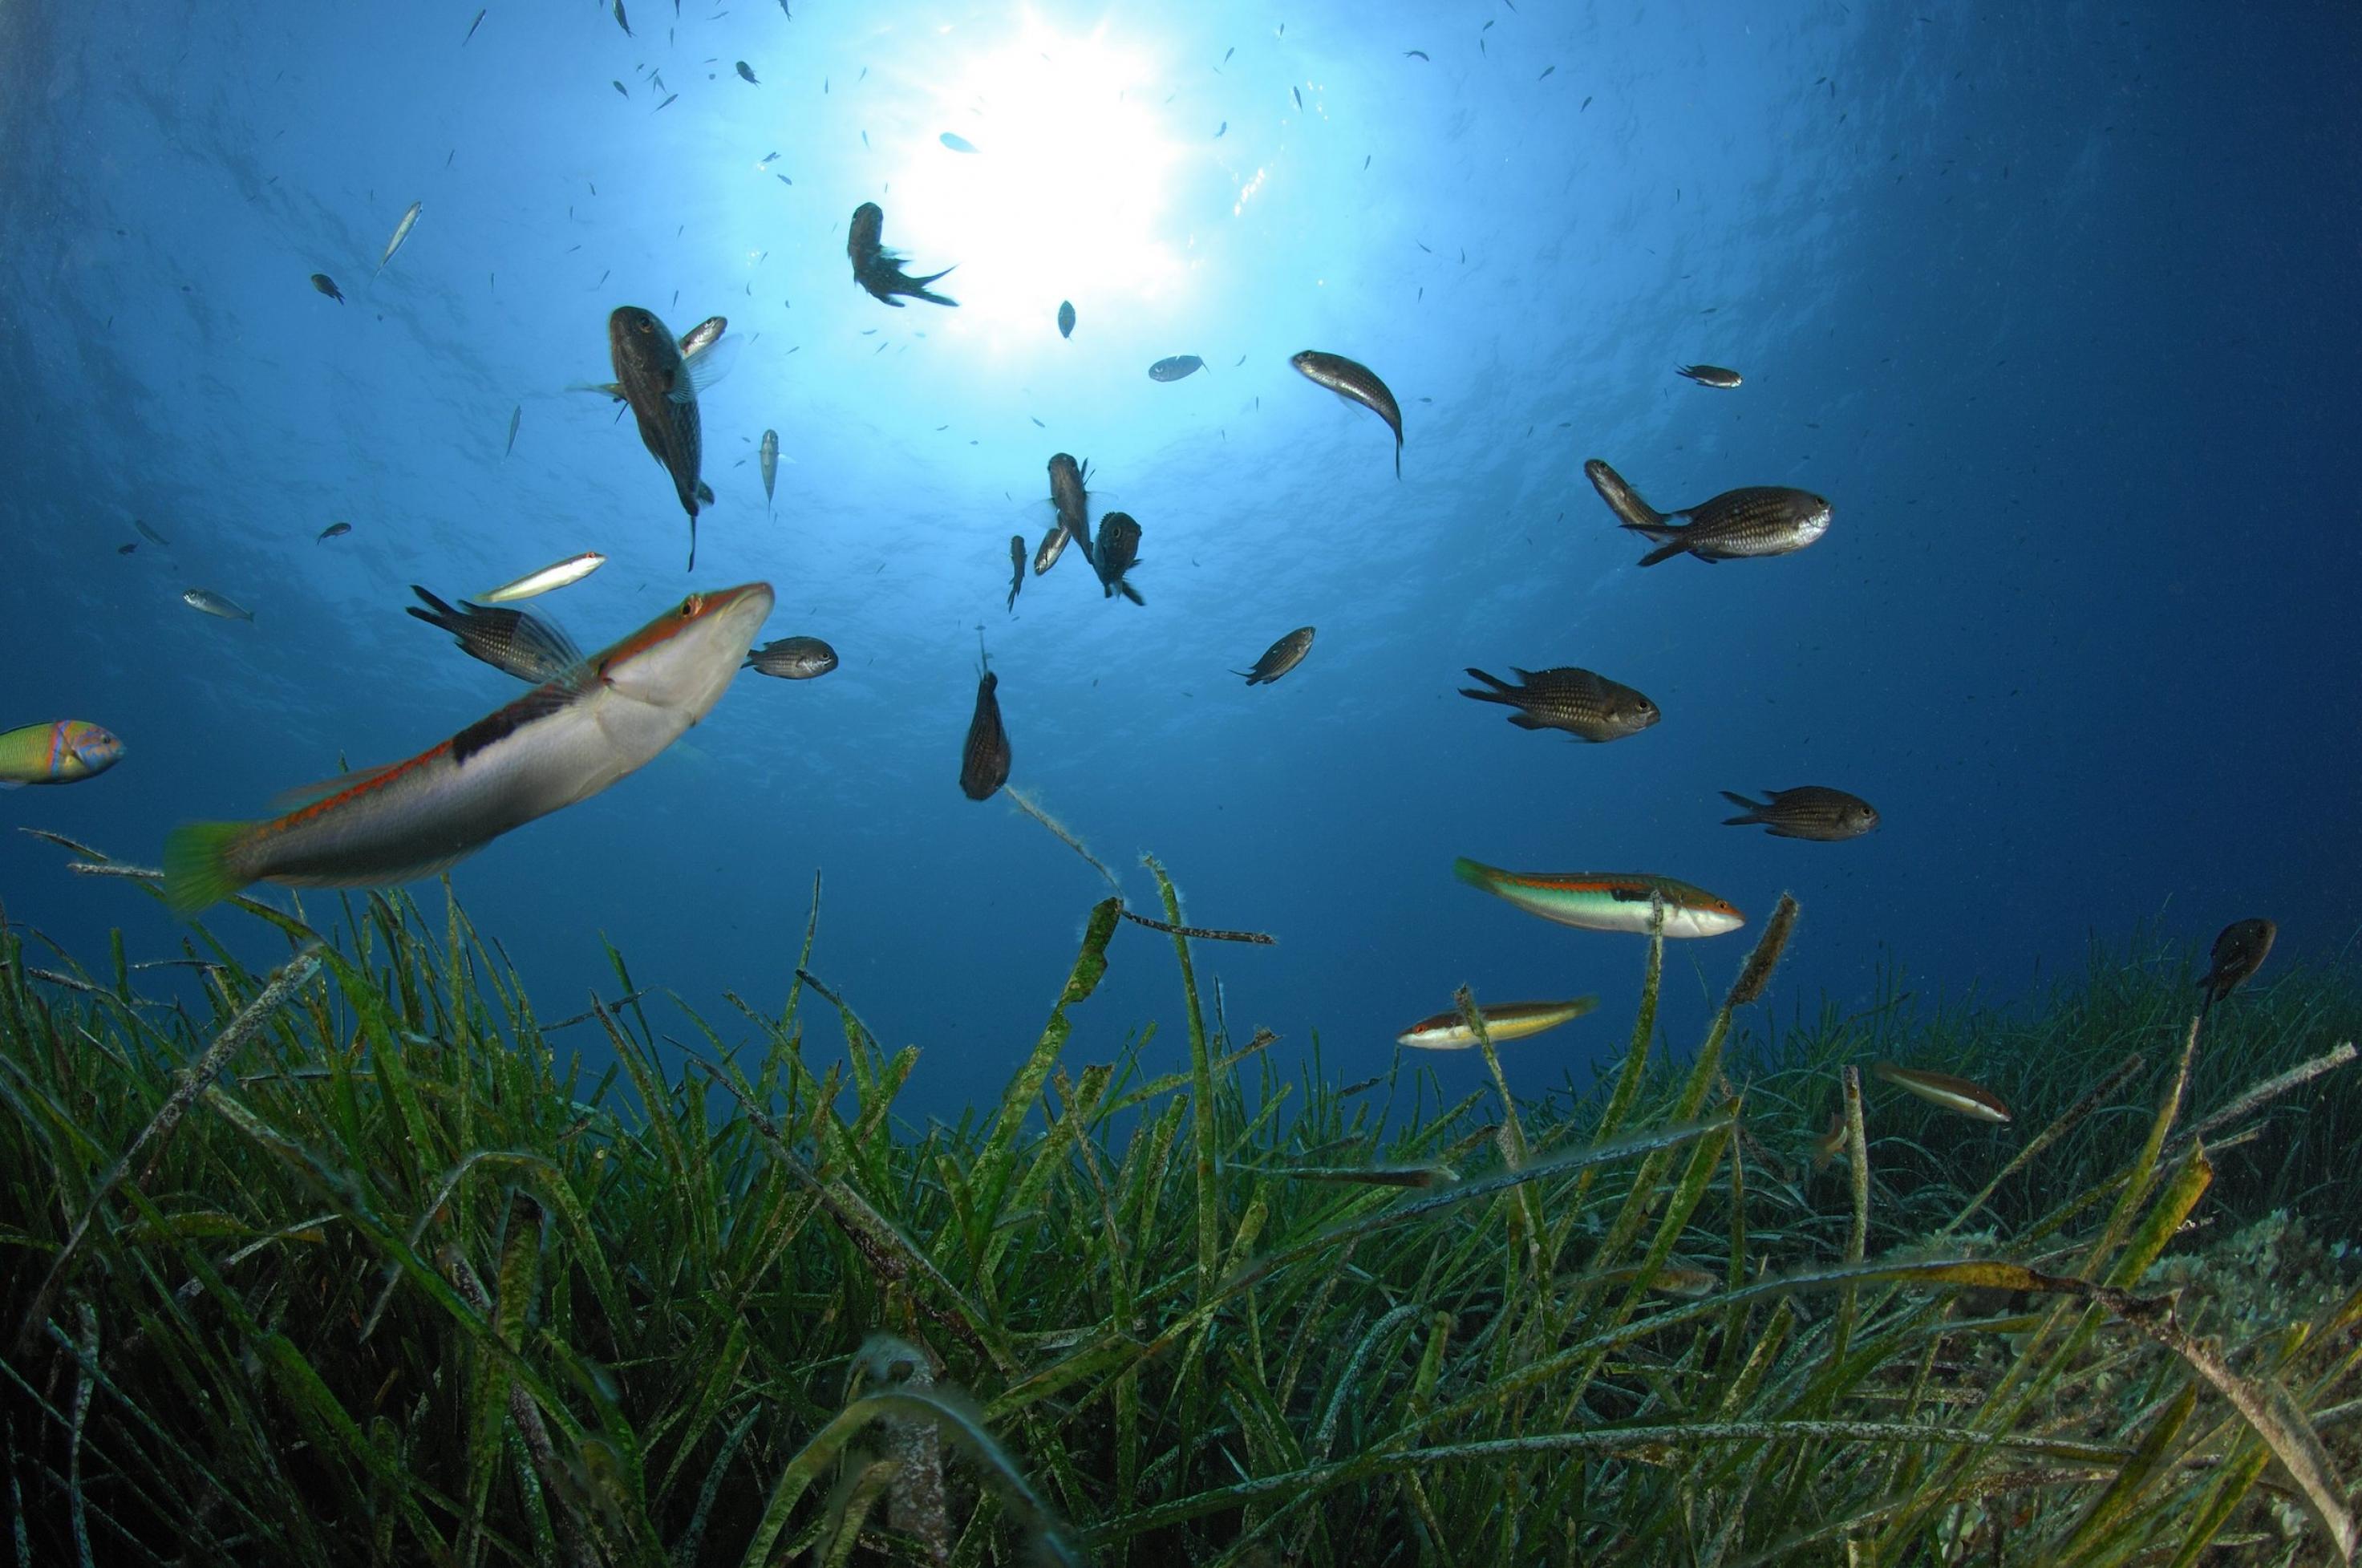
(65, 752)
(563, 742)
(1606, 900)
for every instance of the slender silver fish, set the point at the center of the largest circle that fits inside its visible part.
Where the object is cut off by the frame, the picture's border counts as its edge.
(769, 454)
(213, 603)
(401, 233)
(1355, 382)
(555, 575)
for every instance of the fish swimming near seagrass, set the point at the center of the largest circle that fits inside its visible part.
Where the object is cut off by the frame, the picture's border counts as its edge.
(64, 752)
(878, 269)
(1956, 1095)
(2239, 951)
(559, 744)
(1503, 1021)
(1759, 519)
(1606, 900)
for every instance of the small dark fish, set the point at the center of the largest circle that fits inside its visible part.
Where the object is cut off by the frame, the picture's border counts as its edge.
(747, 72)
(1016, 568)
(516, 417)
(1588, 706)
(1066, 319)
(1298, 95)
(667, 104)
(1227, 52)
(332, 531)
(1416, 54)
(1116, 552)
(472, 27)
(1709, 375)
(878, 269)
(126, 550)
(1357, 382)
(620, 20)
(984, 760)
(792, 659)
(1280, 658)
(150, 535)
(1761, 520)
(1546, 72)
(783, 180)
(956, 142)
(516, 641)
(1586, 104)
(328, 285)
(2239, 952)
(1218, 134)
(1174, 367)
(655, 375)
(619, 87)
(1808, 812)
(768, 159)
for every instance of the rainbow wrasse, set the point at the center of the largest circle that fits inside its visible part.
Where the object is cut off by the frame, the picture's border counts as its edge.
(562, 742)
(1759, 519)
(1606, 900)
(1503, 1021)
(65, 752)
(1956, 1095)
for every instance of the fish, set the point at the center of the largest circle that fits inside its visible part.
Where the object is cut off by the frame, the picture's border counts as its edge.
(1503, 1021)
(1709, 375)
(1174, 367)
(1280, 658)
(658, 376)
(1958, 1095)
(747, 72)
(703, 336)
(472, 27)
(619, 87)
(956, 142)
(667, 104)
(559, 744)
(769, 455)
(1016, 568)
(621, 20)
(984, 760)
(1759, 520)
(1606, 900)
(1299, 93)
(1072, 501)
(1117, 552)
(1053, 544)
(1221, 129)
(1066, 319)
(516, 417)
(401, 230)
(1809, 811)
(878, 269)
(328, 285)
(1831, 1144)
(332, 531)
(515, 641)
(556, 575)
(1669, 1280)
(126, 550)
(1588, 706)
(1357, 382)
(1415, 54)
(213, 603)
(2239, 952)
(792, 659)
(65, 752)
(150, 535)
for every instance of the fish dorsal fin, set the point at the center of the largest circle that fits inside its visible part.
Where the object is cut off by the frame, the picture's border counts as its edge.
(304, 795)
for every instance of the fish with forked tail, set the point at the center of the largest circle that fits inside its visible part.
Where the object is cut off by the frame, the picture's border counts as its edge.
(1709, 375)
(1588, 706)
(1280, 658)
(1759, 519)
(1808, 812)
(660, 376)
(878, 269)
(515, 641)
(1016, 568)
(1117, 552)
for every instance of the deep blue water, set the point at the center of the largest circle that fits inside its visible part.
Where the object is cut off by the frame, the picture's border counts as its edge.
(2057, 305)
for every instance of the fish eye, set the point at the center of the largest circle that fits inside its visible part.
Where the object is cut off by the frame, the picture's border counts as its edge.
(692, 606)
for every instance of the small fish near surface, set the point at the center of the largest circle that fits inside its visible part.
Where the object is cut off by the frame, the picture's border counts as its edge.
(1709, 375)
(1117, 552)
(65, 752)
(878, 269)
(514, 642)
(1588, 706)
(1503, 1021)
(2239, 951)
(1606, 900)
(1956, 1095)
(659, 377)
(1016, 568)
(516, 417)
(768, 454)
(213, 603)
(1280, 658)
(792, 659)
(1807, 811)
(1355, 382)
(328, 285)
(956, 142)
(747, 72)
(401, 230)
(555, 576)
(1175, 367)
(1759, 520)
(559, 744)
(1066, 319)
(983, 759)
(332, 531)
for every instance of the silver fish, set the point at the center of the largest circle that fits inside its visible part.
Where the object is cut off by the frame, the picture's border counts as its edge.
(555, 575)
(1280, 658)
(213, 603)
(956, 142)
(401, 233)
(769, 455)
(1357, 382)
(1759, 520)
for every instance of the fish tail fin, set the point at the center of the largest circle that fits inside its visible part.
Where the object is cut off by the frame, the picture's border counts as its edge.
(1474, 873)
(919, 289)
(692, 540)
(1754, 811)
(197, 864)
(1133, 594)
(1397, 457)
(1663, 552)
(1501, 691)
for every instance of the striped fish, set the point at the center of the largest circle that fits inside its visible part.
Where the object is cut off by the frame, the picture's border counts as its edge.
(1604, 900)
(1503, 1021)
(561, 742)
(1956, 1095)
(1759, 519)
(66, 752)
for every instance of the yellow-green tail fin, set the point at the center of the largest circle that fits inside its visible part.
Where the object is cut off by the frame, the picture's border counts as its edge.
(197, 864)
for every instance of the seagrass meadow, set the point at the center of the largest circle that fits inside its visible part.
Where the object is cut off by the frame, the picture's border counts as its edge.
(352, 1262)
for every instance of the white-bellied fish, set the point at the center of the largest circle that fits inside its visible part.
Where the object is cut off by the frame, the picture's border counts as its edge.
(559, 744)
(768, 454)
(1070, 498)
(150, 535)
(555, 575)
(1355, 382)
(793, 659)
(1606, 900)
(401, 232)
(1280, 658)
(1758, 520)
(878, 269)
(1956, 1095)
(213, 603)
(1808, 812)
(1588, 706)
(514, 642)
(1709, 375)
(1503, 1021)
(658, 376)
(65, 752)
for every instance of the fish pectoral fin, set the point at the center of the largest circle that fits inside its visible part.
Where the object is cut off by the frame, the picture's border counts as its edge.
(1664, 552)
(304, 795)
(703, 368)
(1526, 721)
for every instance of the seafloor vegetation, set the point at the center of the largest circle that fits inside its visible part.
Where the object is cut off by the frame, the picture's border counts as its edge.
(351, 1261)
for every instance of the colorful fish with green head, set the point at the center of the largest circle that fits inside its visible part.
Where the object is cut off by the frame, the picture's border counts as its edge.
(66, 752)
(1606, 900)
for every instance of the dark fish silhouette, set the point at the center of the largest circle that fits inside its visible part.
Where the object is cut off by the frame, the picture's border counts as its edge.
(1016, 568)
(1759, 520)
(328, 285)
(1358, 384)
(515, 641)
(1073, 504)
(878, 269)
(747, 72)
(620, 19)
(984, 761)
(1066, 319)
(1174, 367)
(1280, 658)
(1708, 375)
(1588, 706)
(332, 531)
(1116, 552)
(1808, 812)
(2239, 952)
(655, 374)
(792, 659)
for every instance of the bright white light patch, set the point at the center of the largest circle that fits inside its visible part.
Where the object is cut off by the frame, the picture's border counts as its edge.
(1064, 196)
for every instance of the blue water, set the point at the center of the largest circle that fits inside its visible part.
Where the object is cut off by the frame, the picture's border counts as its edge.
(2057, 305)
